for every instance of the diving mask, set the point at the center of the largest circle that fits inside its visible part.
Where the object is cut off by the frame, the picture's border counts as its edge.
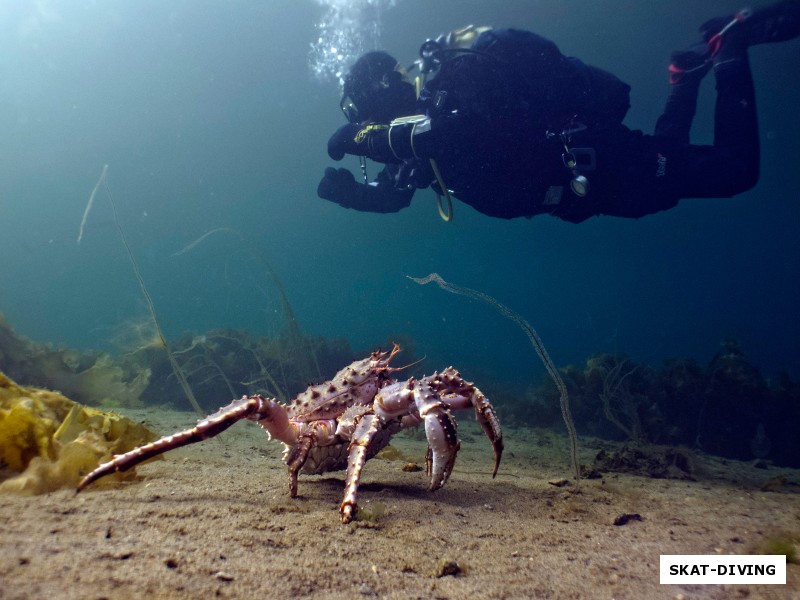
(349, 109)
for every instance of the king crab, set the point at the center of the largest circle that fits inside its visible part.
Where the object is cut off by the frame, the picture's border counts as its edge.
(342, 423)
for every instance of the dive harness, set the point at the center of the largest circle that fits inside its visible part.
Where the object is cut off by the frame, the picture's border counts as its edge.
(421, 124)
(431, 55)
(577, 160)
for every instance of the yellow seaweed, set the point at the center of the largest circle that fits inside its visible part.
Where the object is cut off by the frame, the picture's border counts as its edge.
(52, 442)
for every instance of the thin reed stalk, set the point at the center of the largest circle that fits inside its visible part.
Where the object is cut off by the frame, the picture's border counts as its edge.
(187, 390)
(91, 201)
(298, 340)
(199, 240)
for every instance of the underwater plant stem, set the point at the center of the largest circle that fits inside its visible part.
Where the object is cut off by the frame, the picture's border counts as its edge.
(613, 388)
(91, 201)
(295, 335)
(287, 308)
(268, 376)
(220, 372)
(188, 247)
(187, 390)
(537, 344)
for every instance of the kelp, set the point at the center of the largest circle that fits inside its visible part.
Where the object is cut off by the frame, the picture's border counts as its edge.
(94, 378)
(223, 364)
(297, 348)
(51, 442)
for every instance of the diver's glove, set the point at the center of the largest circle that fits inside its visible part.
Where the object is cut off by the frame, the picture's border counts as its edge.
(339, 186)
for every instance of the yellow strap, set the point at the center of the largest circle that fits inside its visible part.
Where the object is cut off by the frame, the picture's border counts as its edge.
(362, 133)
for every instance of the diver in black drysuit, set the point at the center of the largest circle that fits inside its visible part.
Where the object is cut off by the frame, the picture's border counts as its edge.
(515, 129)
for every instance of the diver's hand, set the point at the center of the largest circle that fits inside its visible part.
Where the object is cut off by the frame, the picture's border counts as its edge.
(339, 186)
(343, 141)
(370, 140)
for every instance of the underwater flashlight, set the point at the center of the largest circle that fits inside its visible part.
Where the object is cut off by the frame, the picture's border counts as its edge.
(579, 186)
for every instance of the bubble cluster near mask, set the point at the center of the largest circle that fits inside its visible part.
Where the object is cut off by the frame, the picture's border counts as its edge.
(347, 29)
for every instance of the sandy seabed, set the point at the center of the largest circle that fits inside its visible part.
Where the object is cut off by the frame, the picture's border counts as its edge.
(214, 520)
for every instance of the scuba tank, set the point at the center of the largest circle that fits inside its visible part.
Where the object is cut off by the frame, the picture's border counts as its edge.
(518, 83)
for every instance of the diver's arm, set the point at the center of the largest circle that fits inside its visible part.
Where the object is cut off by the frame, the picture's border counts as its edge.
(380, 196)
(406, 138)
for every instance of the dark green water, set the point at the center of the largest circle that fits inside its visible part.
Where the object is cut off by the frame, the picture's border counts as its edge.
(209, 116)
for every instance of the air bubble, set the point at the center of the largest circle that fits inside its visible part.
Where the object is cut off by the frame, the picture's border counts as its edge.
(347, 29)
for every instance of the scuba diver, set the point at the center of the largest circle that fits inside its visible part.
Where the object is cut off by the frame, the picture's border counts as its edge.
(504, 122)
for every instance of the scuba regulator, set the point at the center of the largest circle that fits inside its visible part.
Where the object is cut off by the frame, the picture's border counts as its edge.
(433, 52)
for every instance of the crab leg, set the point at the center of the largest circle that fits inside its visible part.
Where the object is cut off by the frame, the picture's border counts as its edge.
(363, 436)
(243, 408)
(296, 458)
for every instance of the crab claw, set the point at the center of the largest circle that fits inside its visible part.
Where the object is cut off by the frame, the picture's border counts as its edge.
(487, 419)
(436, 397)
(443, 444)
(441, 431)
